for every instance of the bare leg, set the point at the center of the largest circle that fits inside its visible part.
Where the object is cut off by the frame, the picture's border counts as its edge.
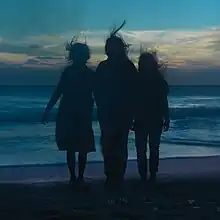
(71, 160)
(82, 160)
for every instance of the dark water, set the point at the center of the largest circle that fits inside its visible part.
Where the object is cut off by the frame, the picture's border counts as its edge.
(195, 125)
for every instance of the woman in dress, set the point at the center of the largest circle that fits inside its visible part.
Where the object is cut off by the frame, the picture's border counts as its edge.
(74, 131)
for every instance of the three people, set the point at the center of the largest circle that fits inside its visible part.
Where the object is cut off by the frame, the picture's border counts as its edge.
(124, 97)
(74, 131)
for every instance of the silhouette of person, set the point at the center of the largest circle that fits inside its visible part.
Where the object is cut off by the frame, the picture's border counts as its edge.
(114, 98)
(152, 114)
(74, 131)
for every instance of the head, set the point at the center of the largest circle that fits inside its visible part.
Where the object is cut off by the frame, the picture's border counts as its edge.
(115, 46)
(78, 53)
(148, 63)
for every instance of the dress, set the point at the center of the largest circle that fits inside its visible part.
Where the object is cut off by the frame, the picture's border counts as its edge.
(74, 120)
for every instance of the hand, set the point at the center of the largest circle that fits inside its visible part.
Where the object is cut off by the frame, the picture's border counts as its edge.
(166, 125)
(132, 127)
(45, 117)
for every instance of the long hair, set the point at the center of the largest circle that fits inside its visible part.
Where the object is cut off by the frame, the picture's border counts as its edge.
(148, 64)
(115, 44)
(77, 52)
(162, 66)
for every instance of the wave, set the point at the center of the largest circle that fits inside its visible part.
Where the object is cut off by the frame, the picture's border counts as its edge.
(194, 111)
(187, 142)
(30, 115)
(33, 115)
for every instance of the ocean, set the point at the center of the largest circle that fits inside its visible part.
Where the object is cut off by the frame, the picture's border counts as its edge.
(195, 125)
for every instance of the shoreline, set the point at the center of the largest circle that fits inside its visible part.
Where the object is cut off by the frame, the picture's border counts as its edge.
(60, 164)
(170, 170)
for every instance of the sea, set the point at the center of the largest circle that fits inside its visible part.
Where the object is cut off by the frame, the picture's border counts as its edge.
(24, 140)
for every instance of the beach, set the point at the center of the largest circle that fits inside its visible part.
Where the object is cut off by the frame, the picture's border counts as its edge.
(34, 176)
(186, 188)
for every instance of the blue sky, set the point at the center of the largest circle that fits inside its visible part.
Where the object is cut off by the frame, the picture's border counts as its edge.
(157, 14)
(21, 17)
(33, 33)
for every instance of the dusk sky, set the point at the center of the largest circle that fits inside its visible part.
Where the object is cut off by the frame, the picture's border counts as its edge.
(187, 33)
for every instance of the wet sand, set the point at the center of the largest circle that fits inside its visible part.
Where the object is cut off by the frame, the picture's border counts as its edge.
(176, 196)
(180, 200)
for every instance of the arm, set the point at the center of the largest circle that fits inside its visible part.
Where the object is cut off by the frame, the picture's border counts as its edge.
(166, 113)
(166, 109)
(134, 85)
(134, 91)
(135, 75)
(97, 84)
(54, 98)
(92, 84)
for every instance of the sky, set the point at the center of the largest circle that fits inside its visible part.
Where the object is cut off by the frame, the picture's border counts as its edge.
(186, 33)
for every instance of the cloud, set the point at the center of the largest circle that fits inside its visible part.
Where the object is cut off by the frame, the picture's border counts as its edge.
(44, 61)
(13, 58)
(181, 48)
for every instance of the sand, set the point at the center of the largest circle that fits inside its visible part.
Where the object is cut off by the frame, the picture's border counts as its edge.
(186, 188)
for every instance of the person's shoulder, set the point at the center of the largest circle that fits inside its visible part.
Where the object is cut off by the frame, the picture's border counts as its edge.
(90, 70)
(132, 66)
(129, 63)
(102, 64)
(65, 71)
(68, 68)
(90, 73)
(101, 67)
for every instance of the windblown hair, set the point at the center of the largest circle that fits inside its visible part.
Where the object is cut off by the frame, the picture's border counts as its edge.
(148, 61)
(115, 40)
(77, 51)
(152, 53)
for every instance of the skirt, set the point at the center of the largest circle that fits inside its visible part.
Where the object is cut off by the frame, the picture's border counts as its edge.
(72, 137)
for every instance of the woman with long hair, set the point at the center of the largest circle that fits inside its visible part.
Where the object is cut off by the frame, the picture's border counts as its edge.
(152, 114)
(74, 131)
(115, 88)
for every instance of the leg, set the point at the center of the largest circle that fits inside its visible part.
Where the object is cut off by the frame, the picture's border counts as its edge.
(114, 149)
(82, 160)
(107, 153)
(154, 144)
(141, 148)
(124, 152)
(71, 160)
(121, 155)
